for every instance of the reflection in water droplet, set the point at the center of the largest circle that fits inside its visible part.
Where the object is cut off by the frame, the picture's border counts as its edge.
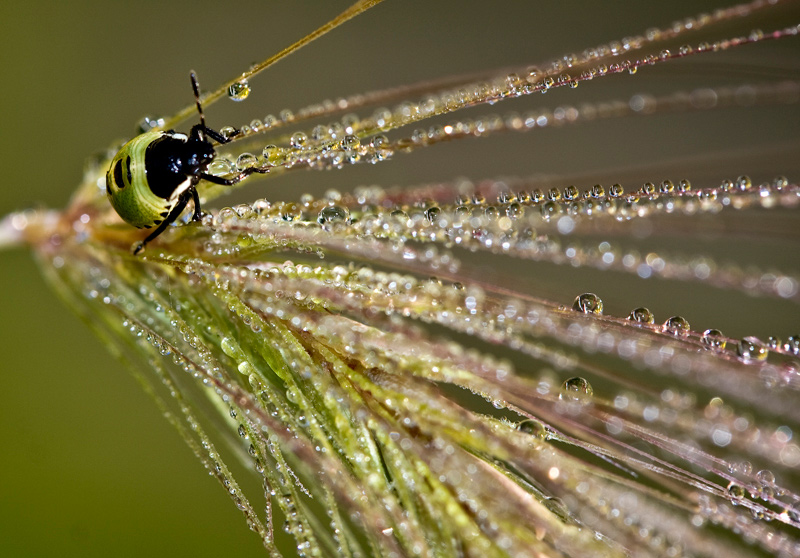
(642, 315)
(736, 491)
(575, 388)
(533, 427)
(766, 477)
(239, 91)
(677, 326)
(714, 339)
(750, 349)
(432, 214)
(333, 214)
(221, 167)
(298, 140)
(246, 161)
(588, 303)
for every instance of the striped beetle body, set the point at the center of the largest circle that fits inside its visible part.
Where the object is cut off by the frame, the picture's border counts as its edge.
(152, 173)
(152, 178)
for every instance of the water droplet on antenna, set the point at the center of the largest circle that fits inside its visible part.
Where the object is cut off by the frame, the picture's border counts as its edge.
(239, 91)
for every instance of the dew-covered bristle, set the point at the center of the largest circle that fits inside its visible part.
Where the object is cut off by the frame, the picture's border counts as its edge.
(390, 370)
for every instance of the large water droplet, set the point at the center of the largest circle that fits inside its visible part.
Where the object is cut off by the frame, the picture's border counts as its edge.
(751, 349)
(246, 161)
(533, 427)
(239, 91)
(333, 214)
(575, 388)
(736, 491)
(713, 338)
(298, 140)
(588, 303)
(641, 315)
(677, 326)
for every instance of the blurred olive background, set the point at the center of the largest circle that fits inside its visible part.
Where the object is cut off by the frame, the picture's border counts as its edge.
(88, 466)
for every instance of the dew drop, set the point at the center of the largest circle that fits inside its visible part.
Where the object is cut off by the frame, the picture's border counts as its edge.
(736, 491)
(221, 167)
(765, 477)
(677, 326)
(272, 153)
(751, 349)
(575, 388)
(714, 339)
(588, 303)
(333, 214)
(571, 193)
(298, 140)
(350, 142)
(792, 345)
(432, 214)
(533, 427)
(239, 91)
(641, 315)
(246, 161)
(616, 190)
(744, 183)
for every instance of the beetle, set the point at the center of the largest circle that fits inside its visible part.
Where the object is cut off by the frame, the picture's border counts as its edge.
(152, 178)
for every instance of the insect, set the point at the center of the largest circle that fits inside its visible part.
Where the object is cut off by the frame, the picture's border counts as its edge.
(152, 178)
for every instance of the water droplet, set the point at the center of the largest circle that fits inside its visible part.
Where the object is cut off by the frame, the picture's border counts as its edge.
(333, 214)
(641, 315)
(272, 153)
(350, 142)
(766, 477)
(221, 167)
(744, 183)
(677, 326)
(616, 190)
(148, 123)
(736, 491)
(773, 342)
(588, 303)
(533, 427)
(432, 214)
(792, 345)
(246, 161)
(714, 339)
(750, 349)
(571, 193)
(648, 189)
(239, 91)
(228, 132)
(575, 388)
(298, 140)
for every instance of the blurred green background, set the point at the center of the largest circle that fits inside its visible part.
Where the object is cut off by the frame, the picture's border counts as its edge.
(89, 467)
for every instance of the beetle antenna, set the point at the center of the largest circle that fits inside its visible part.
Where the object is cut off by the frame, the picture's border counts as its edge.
(196, 90)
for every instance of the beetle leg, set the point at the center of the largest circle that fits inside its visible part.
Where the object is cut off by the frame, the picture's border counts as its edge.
(196, 198)
(236, 178)
(201, 130)
(174, 214)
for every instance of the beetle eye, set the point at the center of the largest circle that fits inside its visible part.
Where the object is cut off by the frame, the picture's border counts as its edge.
(118, 174)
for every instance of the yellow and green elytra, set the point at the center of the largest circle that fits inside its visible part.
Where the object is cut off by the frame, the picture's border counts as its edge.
(129, 190)
(152, 178)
